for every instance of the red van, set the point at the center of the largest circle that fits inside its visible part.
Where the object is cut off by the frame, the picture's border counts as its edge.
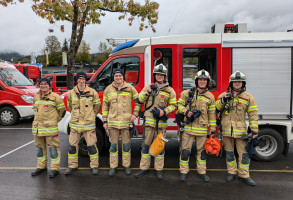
(32, 72)
(16, 95)
(58, 81)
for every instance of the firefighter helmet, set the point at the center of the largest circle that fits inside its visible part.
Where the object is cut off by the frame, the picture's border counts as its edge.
(202, 74)
(213, 146)
(160, 69)
(237, 76)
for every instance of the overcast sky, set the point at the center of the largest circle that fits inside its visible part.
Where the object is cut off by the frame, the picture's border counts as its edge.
(24, 32)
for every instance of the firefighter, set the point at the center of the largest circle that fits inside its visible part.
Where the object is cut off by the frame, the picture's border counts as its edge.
(233, 106)
(84, 104)
(49, 109)
(117, 117)
(198, 106)
(161, 98)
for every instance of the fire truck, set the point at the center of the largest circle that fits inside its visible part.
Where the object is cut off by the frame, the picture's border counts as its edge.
(32, 72)
(16, 95)
(265, 58)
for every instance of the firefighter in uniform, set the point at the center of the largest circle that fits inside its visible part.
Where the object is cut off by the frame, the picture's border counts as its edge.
(233, 107)
(84, 104)
(164, 99)
(117, 117)
(198, 106)
(49, 109)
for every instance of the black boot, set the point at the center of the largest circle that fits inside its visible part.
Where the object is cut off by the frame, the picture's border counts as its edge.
(127, 171)
(95, 171)
(230, 177)
(141, 173)
(38, 171)
(69, 171)
(112, 171)
(160, 174)
(182, 177)
(204, 177)
(249, 181)
(53, 173)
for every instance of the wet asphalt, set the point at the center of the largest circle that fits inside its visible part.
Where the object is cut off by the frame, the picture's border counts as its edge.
(274, 179)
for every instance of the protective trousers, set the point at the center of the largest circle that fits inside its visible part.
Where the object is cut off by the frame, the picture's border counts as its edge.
(187, 141)
(145, 161)
(126, 151)
(54, 147)
(244, 160)
(91, 140)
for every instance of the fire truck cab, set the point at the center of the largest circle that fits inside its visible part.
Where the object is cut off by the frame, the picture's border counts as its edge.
(265, 58)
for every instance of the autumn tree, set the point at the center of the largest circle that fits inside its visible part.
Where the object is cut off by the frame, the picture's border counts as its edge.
(53, 47)
(83, 54)
(84, 12)
(103, 53)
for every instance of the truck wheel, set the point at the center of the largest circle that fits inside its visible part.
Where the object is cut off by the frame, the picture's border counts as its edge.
(270, 145)
(100, 143)
(8, 116)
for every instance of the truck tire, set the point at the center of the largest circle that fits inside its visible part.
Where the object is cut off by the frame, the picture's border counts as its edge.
(100, 143)
(270, 145)
(8, 116)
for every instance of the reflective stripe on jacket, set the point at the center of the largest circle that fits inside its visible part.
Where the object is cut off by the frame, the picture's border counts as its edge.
(233, 122)
(84, 108)
(204, 102)
(165, 97)
(117, 107)
(48, 111)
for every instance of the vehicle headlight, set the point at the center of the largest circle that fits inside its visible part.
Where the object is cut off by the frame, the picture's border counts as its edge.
(27, 98)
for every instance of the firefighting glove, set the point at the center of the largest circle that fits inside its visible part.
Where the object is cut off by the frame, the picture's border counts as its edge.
(225, 99)
(156, 112)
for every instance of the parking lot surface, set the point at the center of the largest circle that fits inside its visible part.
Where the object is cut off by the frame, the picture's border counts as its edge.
(18, 158)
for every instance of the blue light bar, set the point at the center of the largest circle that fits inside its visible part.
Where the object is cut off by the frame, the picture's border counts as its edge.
(125, 45)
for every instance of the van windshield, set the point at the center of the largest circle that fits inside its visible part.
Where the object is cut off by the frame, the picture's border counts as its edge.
(12, 77)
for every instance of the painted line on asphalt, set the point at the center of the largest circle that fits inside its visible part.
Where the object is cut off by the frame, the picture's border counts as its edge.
(17, 128)
(167, 169)
(16, 149)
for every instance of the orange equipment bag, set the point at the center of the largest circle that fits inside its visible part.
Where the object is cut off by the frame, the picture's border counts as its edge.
(158, 145)
(213, 146)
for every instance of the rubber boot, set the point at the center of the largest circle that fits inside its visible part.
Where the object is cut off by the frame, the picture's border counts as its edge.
(69, 171)
(127, 171)
(141, 173)
(230, 177)
(112, 172)
(249, 181)
(38, 171)
(204, 177)
(53, 173)
(182, 177)
(95, 171)
(160, 174)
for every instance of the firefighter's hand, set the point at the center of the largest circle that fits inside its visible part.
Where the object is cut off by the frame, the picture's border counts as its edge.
(149, 89)
(105, 125)
(133, 118)
(189, 114)
(161, 112)
(227, 96)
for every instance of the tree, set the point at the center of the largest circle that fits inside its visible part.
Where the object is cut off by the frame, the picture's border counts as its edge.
(5, 3)
(84, 12)
(83, 55)
(53, 47)
(65, 46)
(103, 53)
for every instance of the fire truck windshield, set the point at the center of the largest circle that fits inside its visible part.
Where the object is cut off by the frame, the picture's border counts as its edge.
(12, 77)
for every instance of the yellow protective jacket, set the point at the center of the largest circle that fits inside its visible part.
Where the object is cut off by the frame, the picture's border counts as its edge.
(165, 97)
(49, 110)
(117, 105)
(233, 121)
(84, 108)
(205, 102)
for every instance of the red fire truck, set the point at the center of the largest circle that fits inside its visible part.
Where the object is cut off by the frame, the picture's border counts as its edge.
(32, 72)
(265, 58)
(16, 95)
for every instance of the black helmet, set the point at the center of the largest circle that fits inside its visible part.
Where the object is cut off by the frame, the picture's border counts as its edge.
(81, 74)
(45, 80)
(120, 71)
